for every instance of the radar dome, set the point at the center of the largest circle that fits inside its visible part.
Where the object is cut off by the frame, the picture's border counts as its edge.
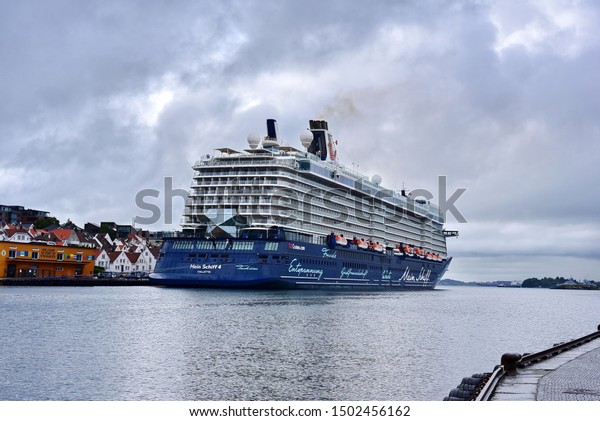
(376, 179)
(253, 140)
(306, 137)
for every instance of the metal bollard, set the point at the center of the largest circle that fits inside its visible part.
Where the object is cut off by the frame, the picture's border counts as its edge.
(510, 360)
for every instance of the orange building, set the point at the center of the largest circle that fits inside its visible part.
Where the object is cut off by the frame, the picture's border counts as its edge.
(40, 260)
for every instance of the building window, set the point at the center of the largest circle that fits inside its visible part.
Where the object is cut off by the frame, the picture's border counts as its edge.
(59, 257)
(34, 255)
(78, 257)
(12, 254)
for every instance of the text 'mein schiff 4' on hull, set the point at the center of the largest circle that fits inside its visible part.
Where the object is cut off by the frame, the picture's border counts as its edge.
(274, 216)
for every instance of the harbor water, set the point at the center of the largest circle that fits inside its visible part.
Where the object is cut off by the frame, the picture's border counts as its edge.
(146, 343)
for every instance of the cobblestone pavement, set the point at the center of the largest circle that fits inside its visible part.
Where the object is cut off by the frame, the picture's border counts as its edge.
(573, 375)
(577, 380)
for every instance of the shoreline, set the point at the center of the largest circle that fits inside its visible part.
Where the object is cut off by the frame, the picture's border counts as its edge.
(73, 282)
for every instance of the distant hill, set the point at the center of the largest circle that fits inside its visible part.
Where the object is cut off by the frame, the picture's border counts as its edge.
(558, 282)
(547, 282)
(454, 282)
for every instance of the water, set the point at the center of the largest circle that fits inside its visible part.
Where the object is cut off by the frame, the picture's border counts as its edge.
(144, 343)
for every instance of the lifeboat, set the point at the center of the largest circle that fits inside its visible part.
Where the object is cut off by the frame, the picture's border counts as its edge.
(419, 253)
(341, 241)
(362, 244)
(409, 251)
(397, 251)
(378, 247)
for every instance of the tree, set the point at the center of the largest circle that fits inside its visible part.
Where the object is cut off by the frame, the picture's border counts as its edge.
(543, 283)
(106, 230)
(45, 222)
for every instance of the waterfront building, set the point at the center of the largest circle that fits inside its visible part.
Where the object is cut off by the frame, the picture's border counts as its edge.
(73, 237)
(104, 241)
(18, 235)
(103, 260)
(119, 262)
(124, 231)
(39, 260)
(91, 228)
(147, 259)
(132, 253)
(19, 215)
(66, 236)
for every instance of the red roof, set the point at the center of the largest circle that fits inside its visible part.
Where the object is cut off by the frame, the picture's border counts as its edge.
(62, 234)
(133, 257)
(113, 256)
(12, 231)
(155, 251)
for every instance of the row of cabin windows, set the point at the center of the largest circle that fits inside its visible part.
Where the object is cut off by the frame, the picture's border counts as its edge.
(318, 262)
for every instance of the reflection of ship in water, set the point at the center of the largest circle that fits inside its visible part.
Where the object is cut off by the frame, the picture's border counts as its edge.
(275, 216)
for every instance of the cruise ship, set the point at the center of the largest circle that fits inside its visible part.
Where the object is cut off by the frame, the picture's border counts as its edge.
(278, 216)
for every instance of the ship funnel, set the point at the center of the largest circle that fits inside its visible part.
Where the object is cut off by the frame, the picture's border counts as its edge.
(318, 125)
(272, 138)
(321, 139)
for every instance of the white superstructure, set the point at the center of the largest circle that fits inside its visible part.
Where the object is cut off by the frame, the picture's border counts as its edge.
(307, 191)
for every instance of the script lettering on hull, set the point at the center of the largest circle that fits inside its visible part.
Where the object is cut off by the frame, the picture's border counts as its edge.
(297, 268)
(245, 267)
(423, 276)
(354, 273)
(328, 253)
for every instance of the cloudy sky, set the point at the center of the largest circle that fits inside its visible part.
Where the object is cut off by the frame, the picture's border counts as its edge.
(102, 99)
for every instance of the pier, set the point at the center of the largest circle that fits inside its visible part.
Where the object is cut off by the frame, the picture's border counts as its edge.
(82, 281)
(568, 371)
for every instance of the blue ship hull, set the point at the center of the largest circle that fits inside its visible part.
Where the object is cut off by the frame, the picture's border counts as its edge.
(197, 262)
